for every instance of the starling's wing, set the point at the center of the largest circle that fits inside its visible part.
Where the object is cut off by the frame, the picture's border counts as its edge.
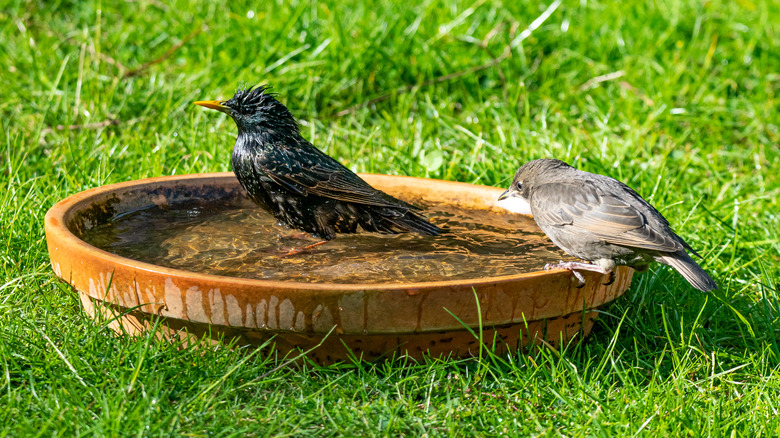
(304, 169)
(604, 215)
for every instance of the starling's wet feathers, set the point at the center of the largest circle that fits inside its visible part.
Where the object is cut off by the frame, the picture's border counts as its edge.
(300, 185)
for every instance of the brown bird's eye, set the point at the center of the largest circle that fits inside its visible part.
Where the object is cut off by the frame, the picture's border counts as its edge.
(519, 185)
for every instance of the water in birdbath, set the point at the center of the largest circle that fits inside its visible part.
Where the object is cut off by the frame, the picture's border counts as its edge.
(238, 239)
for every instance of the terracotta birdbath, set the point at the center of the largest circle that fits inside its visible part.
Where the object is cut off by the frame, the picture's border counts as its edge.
(366, 321)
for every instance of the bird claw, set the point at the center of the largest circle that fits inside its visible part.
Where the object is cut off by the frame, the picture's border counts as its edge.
(580, 278)
(574, 266)
(560, 265)
(565, 265)
(612, 278)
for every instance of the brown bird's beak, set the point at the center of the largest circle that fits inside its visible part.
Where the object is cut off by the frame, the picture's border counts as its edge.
(213, 104)
(509, 193)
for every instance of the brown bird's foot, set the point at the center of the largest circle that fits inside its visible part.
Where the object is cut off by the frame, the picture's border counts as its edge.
(296, 251)
(574, 266)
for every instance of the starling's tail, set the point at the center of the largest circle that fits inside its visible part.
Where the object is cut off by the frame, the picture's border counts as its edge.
(395, 220)
(688, 268)
(346, 217)
(414, 223)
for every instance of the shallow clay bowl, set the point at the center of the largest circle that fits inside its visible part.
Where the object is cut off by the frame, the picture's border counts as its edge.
(364, 320)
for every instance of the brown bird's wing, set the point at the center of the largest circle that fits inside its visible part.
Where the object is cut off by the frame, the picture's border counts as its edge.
(305, 170)
(604, 215)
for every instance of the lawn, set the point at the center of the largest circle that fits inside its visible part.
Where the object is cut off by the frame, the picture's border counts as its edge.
(678, 99)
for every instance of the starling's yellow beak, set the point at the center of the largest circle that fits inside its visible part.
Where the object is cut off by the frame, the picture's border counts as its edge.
(213, 104)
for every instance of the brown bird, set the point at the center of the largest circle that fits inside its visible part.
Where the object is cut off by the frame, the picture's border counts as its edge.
(300, 185)
(601, 220)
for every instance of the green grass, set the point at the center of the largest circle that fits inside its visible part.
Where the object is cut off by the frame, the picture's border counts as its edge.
(691, 122)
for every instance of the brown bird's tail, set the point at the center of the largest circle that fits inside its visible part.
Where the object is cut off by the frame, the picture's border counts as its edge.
(684, 264)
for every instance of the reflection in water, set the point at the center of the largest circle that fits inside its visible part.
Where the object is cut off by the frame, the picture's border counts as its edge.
(241, 240)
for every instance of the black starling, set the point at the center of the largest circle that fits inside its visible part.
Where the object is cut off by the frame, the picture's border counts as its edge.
(601, 220)
(300, 185)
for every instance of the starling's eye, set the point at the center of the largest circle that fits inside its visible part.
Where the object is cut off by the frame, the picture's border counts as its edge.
(519, 185)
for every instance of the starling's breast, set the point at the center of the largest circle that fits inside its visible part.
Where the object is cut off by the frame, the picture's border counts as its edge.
(258, 185)
(288, 207)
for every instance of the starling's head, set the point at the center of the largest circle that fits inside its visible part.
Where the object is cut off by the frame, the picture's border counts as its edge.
(528, 176)
(254, 109)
